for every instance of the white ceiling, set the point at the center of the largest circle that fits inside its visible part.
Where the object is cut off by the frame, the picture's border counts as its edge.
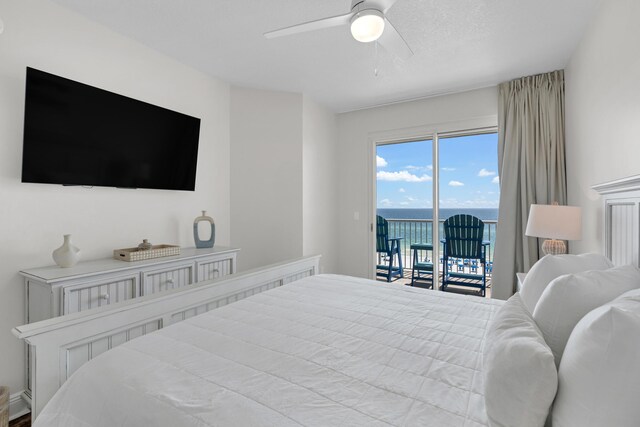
(458, 44)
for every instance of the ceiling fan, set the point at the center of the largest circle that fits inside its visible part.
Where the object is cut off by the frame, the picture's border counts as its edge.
(368, 23)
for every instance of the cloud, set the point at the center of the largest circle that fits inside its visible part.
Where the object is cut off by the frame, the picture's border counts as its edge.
(468, 204)
(385, 202)
(405, 176)
(404, 203)
(484, 172)
(380, 162)
(419, 168)
(456, 183)
(495, 180)
(427, 168)
(401, 190)
(412, 199)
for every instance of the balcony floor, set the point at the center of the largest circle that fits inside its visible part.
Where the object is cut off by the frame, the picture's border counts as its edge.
(406, 280)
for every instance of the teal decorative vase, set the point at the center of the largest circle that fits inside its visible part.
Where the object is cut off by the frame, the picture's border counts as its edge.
(196, 237)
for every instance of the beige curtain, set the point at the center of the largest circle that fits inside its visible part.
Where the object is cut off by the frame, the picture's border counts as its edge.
(532, 169)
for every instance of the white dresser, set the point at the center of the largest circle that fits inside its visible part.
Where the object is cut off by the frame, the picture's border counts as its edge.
(54, 291)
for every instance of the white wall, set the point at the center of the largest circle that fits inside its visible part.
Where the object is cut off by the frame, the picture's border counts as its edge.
(602, 112)
(266, 176)
(283, 178)
(320, 184)
(357, 133)
(33, 217)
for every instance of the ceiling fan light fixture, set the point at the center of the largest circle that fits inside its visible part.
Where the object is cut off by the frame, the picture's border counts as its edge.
(367, 25)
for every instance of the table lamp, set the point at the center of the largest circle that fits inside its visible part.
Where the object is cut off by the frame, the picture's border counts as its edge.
(556, 223)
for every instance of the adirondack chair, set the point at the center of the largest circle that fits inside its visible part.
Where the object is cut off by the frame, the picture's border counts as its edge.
(387, 249)
(463, 241)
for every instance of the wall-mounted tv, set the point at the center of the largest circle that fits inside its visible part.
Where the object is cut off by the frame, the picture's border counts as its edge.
(76, 134)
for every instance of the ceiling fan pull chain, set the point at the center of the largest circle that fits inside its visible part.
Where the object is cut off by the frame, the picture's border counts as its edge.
(376, 59)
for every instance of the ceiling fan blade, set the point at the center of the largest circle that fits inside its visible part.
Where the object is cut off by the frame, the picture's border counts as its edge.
(393, 41)
(381, 5)
(333, 21)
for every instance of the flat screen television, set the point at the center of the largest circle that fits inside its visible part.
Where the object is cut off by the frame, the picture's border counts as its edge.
(76, 134)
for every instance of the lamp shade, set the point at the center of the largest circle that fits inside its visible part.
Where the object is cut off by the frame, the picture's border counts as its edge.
(555, 222)
(367, 26)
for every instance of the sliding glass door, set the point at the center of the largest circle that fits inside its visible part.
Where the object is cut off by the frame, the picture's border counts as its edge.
(404, 196)
(421, 183)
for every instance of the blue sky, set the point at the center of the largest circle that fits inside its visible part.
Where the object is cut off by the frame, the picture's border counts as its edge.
(468, 173)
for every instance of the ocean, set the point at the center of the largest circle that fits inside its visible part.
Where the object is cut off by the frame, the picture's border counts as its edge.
(422, 232)
(485, 214)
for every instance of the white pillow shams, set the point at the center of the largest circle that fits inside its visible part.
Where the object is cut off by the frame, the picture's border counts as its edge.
(599, 375)
(552, 266)
(520, 376)
(568, 298)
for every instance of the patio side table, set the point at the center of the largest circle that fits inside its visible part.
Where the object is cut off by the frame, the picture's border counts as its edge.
(422, 269)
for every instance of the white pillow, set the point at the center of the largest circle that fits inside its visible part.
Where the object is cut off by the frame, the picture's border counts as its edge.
(568, 298)
(552, 266)
(520, 376)
(599, 375)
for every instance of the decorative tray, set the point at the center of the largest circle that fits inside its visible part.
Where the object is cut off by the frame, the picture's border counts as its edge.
(136, 254)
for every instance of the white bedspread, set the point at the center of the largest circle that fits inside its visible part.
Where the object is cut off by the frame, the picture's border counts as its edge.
(324, 351)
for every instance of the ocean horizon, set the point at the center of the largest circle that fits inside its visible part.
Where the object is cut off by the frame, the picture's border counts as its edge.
(485, 214)
(422, 232)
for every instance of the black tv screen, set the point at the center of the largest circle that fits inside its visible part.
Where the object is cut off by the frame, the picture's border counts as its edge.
(76, 134)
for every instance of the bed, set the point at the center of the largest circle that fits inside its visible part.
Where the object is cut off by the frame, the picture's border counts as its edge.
(314, 350)
(324, 350)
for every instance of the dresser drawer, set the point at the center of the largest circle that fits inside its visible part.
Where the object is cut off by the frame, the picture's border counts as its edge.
(212, 269)
(89, 295)
(168, 278)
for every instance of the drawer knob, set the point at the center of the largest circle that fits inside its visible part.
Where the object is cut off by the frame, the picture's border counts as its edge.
(104, 297)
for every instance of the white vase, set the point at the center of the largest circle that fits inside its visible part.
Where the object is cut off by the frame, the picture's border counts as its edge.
(66, 255)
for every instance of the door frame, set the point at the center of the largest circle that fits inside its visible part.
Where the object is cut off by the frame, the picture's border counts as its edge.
(480, 125)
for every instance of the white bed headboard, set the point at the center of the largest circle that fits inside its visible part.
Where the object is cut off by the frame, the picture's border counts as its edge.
(621, 219)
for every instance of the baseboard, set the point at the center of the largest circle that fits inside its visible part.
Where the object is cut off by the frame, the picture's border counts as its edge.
(19, 405)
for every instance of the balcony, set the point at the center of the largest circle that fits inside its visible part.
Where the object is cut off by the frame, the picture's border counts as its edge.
(421, 231)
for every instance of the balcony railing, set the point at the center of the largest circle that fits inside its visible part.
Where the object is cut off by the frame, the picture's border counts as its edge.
(421, 231)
